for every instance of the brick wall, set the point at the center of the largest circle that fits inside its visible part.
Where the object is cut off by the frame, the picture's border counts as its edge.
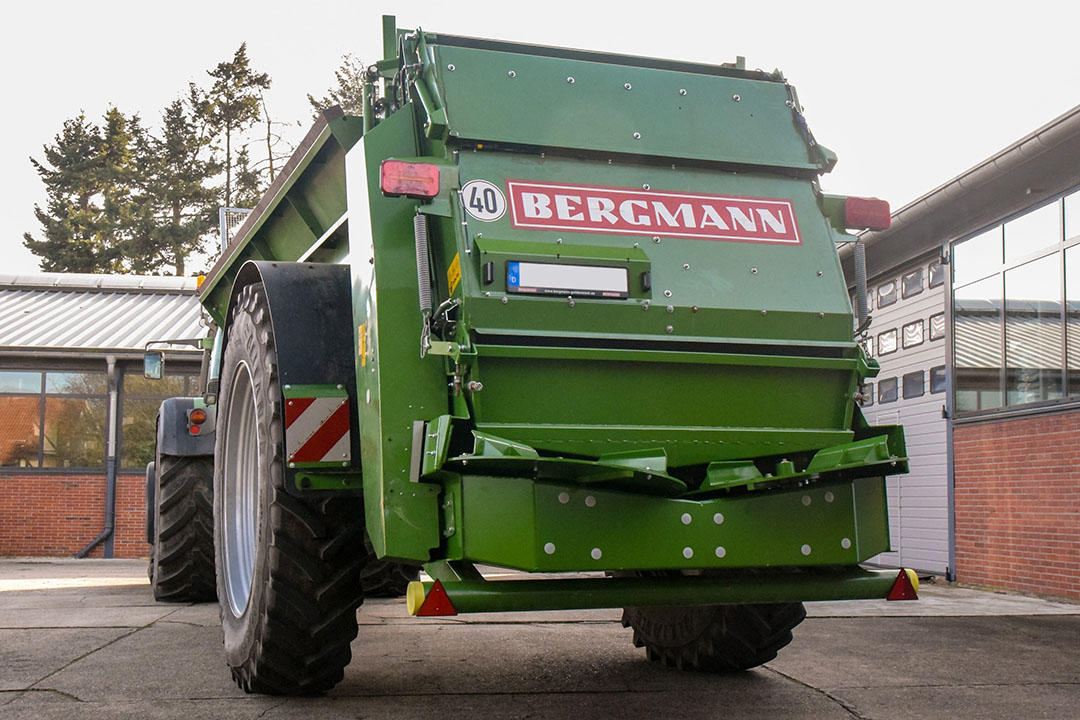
(57, 515)
(1018, 504)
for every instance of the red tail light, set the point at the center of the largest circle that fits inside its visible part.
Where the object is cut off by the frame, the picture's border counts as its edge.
(866, 214)
(415, 180)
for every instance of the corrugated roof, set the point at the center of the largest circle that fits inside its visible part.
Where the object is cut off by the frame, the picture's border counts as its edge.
(95, 312)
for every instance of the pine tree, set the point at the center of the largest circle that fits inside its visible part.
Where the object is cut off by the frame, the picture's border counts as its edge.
(233, 104)
(249, 186)
(178, 204)
(86, 176)
(349, 92)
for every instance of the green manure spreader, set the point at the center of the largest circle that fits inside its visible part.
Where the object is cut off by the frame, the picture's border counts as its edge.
(569, 313)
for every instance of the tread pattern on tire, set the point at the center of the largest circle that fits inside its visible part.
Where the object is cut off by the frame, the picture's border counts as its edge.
(715, 638)
(384, 578)
(182, 557)
(304, 610)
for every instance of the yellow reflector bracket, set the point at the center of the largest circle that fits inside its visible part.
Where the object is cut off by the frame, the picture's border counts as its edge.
(414, 597)
(913, 578)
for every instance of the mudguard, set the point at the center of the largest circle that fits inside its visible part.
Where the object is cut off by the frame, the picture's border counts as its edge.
(311, 313)
(173, 437)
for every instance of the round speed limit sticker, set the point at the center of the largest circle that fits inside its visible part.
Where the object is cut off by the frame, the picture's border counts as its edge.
(483, 200)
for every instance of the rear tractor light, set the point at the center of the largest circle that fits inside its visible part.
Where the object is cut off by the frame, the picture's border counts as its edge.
(195, 419)
(398, 178)
(866, 214)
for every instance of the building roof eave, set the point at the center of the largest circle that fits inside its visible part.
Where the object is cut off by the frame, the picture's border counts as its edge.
(1036, 168)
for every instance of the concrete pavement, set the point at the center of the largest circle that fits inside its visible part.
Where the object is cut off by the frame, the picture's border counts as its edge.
(85, 639)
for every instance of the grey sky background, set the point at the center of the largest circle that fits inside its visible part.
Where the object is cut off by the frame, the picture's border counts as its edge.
(907, 94)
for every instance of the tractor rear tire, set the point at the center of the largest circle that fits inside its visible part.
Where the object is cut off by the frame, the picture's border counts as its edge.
(288, 568)
(713, 638)
(181, 565)
(383, 578)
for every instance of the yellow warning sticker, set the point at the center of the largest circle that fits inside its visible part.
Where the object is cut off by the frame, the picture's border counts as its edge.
(453, 274)
(362, 336)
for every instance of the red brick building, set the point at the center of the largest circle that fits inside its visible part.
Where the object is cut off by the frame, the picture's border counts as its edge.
(76, 415)
(1008, 408)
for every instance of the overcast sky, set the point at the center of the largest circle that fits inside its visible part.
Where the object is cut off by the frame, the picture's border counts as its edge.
(907, 94)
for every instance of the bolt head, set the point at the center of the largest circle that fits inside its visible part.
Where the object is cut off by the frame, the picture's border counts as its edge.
(451, 67)
(682, 91)
(637, 136)
(511, 74)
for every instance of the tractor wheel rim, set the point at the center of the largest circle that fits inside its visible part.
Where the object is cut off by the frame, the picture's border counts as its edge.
(241, 491)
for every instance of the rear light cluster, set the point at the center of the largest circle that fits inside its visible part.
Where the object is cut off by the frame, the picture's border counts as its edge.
(196, 418)
(866, 214)
(398, 178)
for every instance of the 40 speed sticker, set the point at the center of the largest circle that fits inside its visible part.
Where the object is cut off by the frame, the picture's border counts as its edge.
(483, 200)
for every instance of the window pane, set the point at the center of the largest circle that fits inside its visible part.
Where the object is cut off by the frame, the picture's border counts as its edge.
(977, 257)
(76, 383)
(937, 326)
(977, 328)
(139, 424)
(1033, 331)
(912, 283)
(914, 384)
(868, 345)
(887, 390)
(913, 334)
(20, 430)
(168, 386)
(937, 379)
(886, 294)
(16, 381)
(1032, 232)
(937, 274)
(1072, 215)
(886, 342)
(74, 432)
(1072, 318)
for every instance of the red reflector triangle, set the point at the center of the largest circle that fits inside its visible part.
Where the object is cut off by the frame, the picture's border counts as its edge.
(902, 588)
(437, 602)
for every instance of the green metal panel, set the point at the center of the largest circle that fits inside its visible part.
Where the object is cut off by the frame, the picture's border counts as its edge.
(395, 387)
(567, 527)
(717, 288)
(531, 100)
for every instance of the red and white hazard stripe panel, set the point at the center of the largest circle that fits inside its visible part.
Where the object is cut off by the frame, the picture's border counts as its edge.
(317, 430)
